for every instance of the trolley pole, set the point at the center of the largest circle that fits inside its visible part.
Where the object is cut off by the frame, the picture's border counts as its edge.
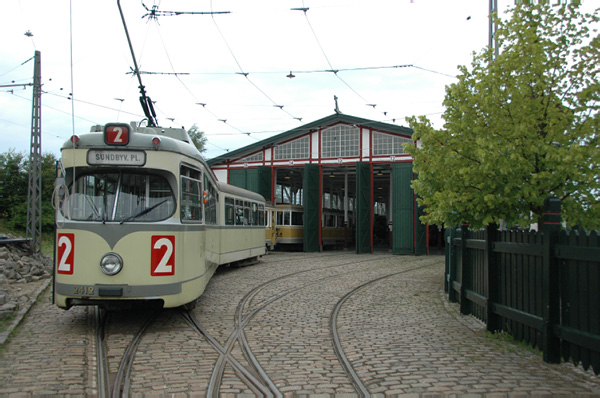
(34, 192)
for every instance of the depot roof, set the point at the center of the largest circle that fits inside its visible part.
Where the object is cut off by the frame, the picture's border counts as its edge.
(316, 125)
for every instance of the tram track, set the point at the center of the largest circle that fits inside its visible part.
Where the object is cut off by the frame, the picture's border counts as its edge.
(241, 321)
(251, 373)
(357, 382)
(116, 385)
(250, 379)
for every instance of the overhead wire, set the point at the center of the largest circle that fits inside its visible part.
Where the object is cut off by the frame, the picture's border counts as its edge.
(332, 70)
(154, 15)
(190, 91)
(16, 67)
(245, 74)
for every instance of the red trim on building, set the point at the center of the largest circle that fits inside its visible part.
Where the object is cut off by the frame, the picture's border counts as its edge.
(371, 148)
(273, 185)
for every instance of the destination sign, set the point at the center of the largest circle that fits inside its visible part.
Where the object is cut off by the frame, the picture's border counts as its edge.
(96, 157)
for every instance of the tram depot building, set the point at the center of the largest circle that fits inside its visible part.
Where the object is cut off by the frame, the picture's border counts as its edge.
(352, 167)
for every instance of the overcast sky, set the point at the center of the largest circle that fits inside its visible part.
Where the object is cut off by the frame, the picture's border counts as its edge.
(393, 57)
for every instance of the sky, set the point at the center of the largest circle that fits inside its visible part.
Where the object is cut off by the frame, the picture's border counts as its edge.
(231, 74)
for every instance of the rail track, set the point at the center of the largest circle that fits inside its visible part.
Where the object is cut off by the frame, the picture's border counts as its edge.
(259, 298)
(116, 385)
(241, 321)
(357, 382)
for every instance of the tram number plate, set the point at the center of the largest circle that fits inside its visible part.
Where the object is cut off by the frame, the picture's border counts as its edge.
(84, 290)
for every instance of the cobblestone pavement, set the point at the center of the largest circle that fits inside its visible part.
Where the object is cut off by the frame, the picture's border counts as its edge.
(399, 334)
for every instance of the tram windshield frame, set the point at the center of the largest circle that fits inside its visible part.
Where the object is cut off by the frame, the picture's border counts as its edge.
(120, 196)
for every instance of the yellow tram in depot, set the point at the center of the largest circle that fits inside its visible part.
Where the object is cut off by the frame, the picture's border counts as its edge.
(285, 228)
(141, 218)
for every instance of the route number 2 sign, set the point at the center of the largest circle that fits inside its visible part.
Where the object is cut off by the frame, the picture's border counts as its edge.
(163, 255)
(65, 253)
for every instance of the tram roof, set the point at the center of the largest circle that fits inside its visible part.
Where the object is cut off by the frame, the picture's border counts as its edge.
(317, 124)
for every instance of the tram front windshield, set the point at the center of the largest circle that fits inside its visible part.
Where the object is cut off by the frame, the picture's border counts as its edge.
(123, 197)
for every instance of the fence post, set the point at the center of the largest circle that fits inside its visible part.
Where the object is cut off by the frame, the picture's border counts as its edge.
(448, 260)
(465, 283)
(452, 267)
(550, 294)
(492, 280)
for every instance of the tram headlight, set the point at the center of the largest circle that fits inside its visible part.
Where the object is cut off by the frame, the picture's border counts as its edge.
(111, 264)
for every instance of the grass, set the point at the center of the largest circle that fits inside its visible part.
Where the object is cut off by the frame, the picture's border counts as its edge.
(510, 343)
(47, 237)
(6, 321)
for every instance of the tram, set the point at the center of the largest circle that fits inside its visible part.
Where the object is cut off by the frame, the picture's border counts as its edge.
(288, 227)
(141, 218)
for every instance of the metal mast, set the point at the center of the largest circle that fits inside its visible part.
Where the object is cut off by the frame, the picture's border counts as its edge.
(34, 192)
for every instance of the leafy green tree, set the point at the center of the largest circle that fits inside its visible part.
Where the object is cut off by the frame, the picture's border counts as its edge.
(518, 128)
(13, 181)
(198, 138)
(14, 178)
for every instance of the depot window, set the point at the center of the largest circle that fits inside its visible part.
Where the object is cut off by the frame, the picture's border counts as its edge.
(297, 149)
(388, 144)
(340, 141)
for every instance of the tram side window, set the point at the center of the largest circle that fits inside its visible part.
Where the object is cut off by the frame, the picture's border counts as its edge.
(229, 211)
(279, 217)
(286, 217)
(297, 218)
(191, 200)
(210, 202)
(261, 215)
(329, 220)
(239, 212)
(254, 210)
(247, 213)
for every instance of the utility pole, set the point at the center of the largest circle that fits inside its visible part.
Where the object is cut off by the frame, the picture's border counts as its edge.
(34, 192)
(493, 40)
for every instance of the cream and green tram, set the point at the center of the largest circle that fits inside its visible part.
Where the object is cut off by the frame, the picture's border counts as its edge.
(141, 218)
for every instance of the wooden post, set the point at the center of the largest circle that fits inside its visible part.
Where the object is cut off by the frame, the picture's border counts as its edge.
(550, 293)
(452, 265)
(448, 258)
(466, 279)
(492, 280)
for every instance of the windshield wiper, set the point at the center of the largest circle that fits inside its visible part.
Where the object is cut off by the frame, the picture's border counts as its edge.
(145, 211)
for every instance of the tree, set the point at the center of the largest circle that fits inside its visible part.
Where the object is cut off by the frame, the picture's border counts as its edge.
(518, 128)
(198, 138)
(14, 186)
(13, 181)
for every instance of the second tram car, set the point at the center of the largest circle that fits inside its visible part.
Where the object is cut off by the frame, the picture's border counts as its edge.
(142, 218)
(288, 227)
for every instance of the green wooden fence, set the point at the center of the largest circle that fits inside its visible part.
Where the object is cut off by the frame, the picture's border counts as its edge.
(541, 287)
